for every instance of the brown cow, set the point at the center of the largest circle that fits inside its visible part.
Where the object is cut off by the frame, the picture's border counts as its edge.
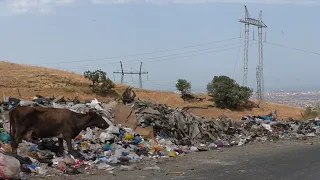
(50, 122)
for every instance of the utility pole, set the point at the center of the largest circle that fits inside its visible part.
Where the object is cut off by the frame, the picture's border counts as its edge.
(140, 73)
(260, 24)
(140, 78)
(122, 73)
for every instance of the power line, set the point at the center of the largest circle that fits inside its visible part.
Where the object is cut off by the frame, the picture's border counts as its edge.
(155, 58)
(159, 57)
(190, 52)
(169, 55)
(220, 50)
(234, 68)
(162, 58)
(141, 54)
(295, 49)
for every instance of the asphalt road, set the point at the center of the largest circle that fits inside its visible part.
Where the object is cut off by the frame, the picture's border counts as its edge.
(287, 160)
(297, 163)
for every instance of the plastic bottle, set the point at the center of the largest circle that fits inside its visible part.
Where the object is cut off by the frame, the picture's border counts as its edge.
(128, 136)
(107, 147)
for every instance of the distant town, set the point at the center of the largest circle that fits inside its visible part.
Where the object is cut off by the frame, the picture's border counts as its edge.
(293, 98)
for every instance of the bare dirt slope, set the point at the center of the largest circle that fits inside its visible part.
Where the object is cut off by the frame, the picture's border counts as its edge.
(29, 81)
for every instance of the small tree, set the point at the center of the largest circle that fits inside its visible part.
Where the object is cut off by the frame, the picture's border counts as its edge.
(183, 86)
(310, 113)
(100, 83)
(227, 93)
(317, 106)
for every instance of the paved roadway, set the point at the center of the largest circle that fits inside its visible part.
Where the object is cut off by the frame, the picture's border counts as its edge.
(287, 164)
(286, 160)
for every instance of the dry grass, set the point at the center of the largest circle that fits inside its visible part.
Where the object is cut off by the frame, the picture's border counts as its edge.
(23, 76)
(33, 80)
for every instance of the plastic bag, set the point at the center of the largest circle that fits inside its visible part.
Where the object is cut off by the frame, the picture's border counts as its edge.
(267, 127)
(9, 167)
(89, 134)
(105, 137)
(113, 129)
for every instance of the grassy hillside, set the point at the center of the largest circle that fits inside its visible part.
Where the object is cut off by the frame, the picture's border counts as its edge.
(33, 80)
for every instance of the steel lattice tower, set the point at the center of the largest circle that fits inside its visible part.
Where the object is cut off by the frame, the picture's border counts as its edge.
(257, 23)
(140, 73)
(246, 22)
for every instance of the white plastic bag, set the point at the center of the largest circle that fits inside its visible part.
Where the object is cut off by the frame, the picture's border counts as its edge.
(106, 136)
(9, 167)
(267, 127)
(113, 129)
(89, 134)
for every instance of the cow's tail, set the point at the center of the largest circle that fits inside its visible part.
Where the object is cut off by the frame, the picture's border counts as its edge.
(11, 120)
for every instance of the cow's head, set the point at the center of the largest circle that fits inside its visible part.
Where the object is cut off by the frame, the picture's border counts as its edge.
(97, 120)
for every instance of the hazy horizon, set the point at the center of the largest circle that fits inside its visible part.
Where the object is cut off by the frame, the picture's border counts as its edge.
(189, 39)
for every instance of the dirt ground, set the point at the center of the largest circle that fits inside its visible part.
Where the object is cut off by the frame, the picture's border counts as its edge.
(27, 81)
(217, 163)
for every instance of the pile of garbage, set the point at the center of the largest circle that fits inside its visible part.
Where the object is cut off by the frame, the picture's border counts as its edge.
(139, 131)
(183, 126)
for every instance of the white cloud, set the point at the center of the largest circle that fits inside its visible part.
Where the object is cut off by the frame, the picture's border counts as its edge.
(207, 1)
(24, 6)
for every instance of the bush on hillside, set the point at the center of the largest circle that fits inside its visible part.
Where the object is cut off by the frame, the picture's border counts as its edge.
(311, 113)
(227, 93)
(183, 86)
(100, 83)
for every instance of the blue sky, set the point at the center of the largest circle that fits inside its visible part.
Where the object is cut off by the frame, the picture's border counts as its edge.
(79, 35)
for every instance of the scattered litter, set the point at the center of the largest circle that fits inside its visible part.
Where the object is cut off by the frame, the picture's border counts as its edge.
(126, 168)
(138, 130)
(176, 173)
(151, 168)
(9, 167)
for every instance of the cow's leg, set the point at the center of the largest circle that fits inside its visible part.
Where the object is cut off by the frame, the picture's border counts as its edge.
(14, 145)
(60, 152)
(71, 151)
(15, 142)
(19, 134)
(69, 145)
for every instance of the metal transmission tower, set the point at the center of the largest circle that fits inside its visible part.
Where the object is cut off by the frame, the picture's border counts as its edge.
(257, 23)
(122, 72)
(260, 88)
(246, 22)
(258, 76)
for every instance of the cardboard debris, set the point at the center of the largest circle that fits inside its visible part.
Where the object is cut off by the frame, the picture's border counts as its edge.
(126, 116)
(146, 132)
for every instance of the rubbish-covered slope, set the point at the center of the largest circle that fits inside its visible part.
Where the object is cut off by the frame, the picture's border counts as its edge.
(172, 99)
(173, 132)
